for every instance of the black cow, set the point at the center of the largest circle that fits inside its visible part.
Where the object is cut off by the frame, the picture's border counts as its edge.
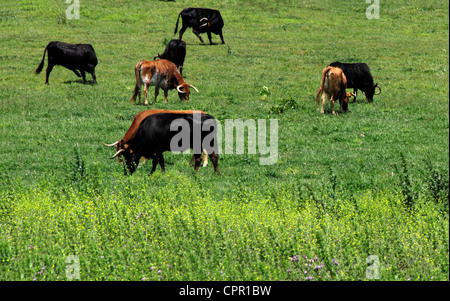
(358, 77)
(161, 132)
(175, 52)
(201, 20)
(72, 56)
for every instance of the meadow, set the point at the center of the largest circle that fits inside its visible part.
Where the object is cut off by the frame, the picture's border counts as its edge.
(370, 183)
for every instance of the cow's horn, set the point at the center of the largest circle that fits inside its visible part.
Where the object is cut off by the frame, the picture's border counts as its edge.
(202, 19)
(112, 144)
(379, 89)
(194, 88)
(118, 152)
(180, 91)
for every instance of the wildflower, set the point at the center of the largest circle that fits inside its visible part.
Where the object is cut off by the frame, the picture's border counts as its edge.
(295, 258)
(289, 270)
(309, 278)
(151, 269)
(318, 267)
(334, 261)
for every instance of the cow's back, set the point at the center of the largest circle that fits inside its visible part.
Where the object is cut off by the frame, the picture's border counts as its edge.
(357, 73)
(154, 133)
(132, 130)
(194, 14)
(71, 54)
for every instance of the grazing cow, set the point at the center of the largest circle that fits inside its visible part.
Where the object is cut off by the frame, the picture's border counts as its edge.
(131, 133)
(175, 52)
(161, 74)
(359, 77)
(201, 20)
(156, 134)
(333, 87)
(72, 56)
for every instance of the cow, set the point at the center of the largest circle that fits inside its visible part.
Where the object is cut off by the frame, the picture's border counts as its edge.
(74, 57)
(359, 77)
(333, 86)
(201, 20)
(157, 133)
(175, 52)
(161, 74)
(131, 133)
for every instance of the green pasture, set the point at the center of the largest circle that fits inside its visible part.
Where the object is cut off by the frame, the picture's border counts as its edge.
(370, 182)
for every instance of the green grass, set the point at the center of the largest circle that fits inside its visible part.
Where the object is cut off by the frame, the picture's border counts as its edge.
(373, 181)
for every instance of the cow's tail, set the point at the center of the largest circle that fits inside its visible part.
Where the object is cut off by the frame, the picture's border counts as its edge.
(137, 87)
(324, 73)
(41, 65)
(176, 26)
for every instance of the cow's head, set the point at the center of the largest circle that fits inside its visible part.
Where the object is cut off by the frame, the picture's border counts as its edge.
(204, 22)
(348, 95)
(123, 149)
(370, 94)
(184, 91)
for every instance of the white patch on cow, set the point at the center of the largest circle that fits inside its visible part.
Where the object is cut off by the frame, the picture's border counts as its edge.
(158, 80)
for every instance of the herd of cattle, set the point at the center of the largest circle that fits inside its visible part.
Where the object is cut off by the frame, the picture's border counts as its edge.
(150, 133)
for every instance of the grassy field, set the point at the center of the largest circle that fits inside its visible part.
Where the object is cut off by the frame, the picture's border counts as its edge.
(371, 182)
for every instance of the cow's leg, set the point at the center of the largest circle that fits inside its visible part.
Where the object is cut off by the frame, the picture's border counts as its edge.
(198, 36)
(161, 161)
(209, 37)
(145, 94)
(221, 37)
(182, 30)
(154, 163)
(94, 78)
(215, 160)
(198, 160)
(355, 91)
(205, 157)
(332, 105)
(165, 94)
(324, 98)
(83, 75)
(91, 70)
(341, 104)
(76, 72)
(344, 105)
(156, 93)
(139, 88)
(47, 72)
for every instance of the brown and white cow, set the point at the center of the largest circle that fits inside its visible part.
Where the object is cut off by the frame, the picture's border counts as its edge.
(161, 74)
(132, 130)
(333, 86)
